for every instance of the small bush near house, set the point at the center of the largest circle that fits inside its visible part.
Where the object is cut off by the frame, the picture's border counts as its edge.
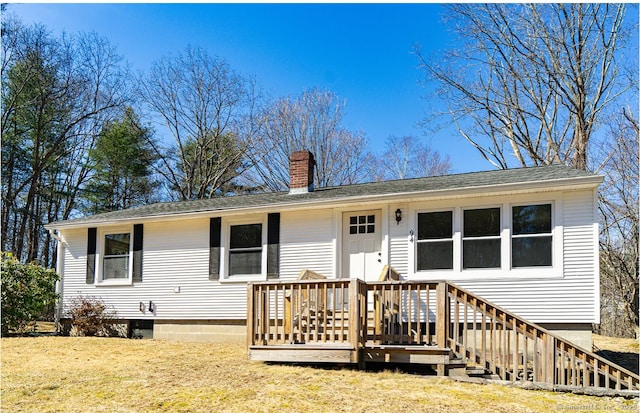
(90, 316)
(28, 292)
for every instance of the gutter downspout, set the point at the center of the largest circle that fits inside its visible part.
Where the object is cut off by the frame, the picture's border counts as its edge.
(59, 270)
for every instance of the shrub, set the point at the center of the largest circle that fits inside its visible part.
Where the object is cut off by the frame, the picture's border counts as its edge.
(28, 292)
(90, 316)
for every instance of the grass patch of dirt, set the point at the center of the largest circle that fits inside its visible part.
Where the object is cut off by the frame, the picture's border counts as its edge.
(81, 374)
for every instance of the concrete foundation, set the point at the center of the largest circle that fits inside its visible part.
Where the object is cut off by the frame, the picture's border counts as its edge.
(213, 331)
(578, 334)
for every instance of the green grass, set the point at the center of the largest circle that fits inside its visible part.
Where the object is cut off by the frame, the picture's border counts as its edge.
(63, 374)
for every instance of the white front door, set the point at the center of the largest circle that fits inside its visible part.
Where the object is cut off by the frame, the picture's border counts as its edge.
(361, 245)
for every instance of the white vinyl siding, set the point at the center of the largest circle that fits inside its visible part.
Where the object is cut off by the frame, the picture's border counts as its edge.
(75, 266)
(176, 261)
(175, 276)
(567, 292)
(399, 237)
(307, 241)
(176, 265)
(572, 298)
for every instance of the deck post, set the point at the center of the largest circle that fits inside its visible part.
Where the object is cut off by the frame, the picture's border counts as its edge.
(377, 314)
(355, 323)
(287, 312)
(250, 315)
(443, 318)
(550, 359)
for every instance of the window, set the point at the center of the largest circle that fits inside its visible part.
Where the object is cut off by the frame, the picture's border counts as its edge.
(531, 240)
(481, 238)
(116, 256)
(245, 249)
(362, 224)
(435, 241)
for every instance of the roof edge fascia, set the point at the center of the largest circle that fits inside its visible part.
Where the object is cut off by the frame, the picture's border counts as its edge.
(573, 183)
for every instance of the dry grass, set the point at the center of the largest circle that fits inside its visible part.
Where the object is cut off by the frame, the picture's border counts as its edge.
(627, 345)
(63, 374)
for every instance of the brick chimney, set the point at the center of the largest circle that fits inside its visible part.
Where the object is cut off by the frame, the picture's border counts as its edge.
(301, 166)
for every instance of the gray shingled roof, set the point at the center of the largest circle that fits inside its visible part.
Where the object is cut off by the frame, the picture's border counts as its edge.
(496, 178)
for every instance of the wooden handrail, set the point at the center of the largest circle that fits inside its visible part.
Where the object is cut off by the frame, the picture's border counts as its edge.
(312, 311)
(519, 350)
(428, 313)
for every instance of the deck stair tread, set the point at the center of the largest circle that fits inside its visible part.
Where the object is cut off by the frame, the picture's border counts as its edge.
(476, 371)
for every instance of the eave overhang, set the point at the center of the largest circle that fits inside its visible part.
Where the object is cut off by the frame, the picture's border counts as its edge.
(297, 202)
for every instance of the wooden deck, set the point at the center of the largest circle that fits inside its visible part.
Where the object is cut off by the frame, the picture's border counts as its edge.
(316, 320)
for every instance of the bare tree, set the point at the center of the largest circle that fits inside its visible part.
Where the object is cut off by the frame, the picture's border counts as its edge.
(408, 157)
(531, 81)
(206, 107)
(56, 92)
(313, 121)
(531, 85)
(618, 205)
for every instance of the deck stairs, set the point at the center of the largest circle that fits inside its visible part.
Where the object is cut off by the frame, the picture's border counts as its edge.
(316, 320)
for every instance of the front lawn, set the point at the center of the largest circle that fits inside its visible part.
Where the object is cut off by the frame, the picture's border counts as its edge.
(64, 374)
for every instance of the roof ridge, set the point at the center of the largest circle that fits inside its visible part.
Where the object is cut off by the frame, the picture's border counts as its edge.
(344, 193)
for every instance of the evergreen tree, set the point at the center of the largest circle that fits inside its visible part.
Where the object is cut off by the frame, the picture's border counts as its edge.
(122, 161)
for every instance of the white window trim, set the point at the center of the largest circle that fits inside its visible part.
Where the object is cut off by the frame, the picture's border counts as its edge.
(500, 237)
(555, 270)
(456, 254)
(227, 223)
(506, 271)
(102, 232)
(536, 235)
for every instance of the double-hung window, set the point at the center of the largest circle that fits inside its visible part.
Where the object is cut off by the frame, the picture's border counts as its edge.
(245, 249)
(481, 238)
(434, 243)
(116, 256)
(531, 239)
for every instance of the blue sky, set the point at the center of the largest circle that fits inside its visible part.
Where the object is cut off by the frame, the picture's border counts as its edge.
(361, 52)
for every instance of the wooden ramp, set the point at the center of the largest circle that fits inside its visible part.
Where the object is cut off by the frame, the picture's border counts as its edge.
(316, 320)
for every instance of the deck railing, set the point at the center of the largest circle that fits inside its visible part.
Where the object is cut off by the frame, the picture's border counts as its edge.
(518, 350)
(307, 312)
(403, 312)
(357, 314)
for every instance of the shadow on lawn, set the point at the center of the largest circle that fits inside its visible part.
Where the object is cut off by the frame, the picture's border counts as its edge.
(627, 360)
(419, 369)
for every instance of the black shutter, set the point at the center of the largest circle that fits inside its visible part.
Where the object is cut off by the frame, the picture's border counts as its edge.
(138, 230)
(215, 226)
(273, 246)
(92, 234)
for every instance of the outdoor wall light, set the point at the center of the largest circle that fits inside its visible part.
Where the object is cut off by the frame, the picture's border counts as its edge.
(142, 307)
(398, 216)
(152, 307)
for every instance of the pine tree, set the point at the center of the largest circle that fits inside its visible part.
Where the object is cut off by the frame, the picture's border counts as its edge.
(122, 161)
